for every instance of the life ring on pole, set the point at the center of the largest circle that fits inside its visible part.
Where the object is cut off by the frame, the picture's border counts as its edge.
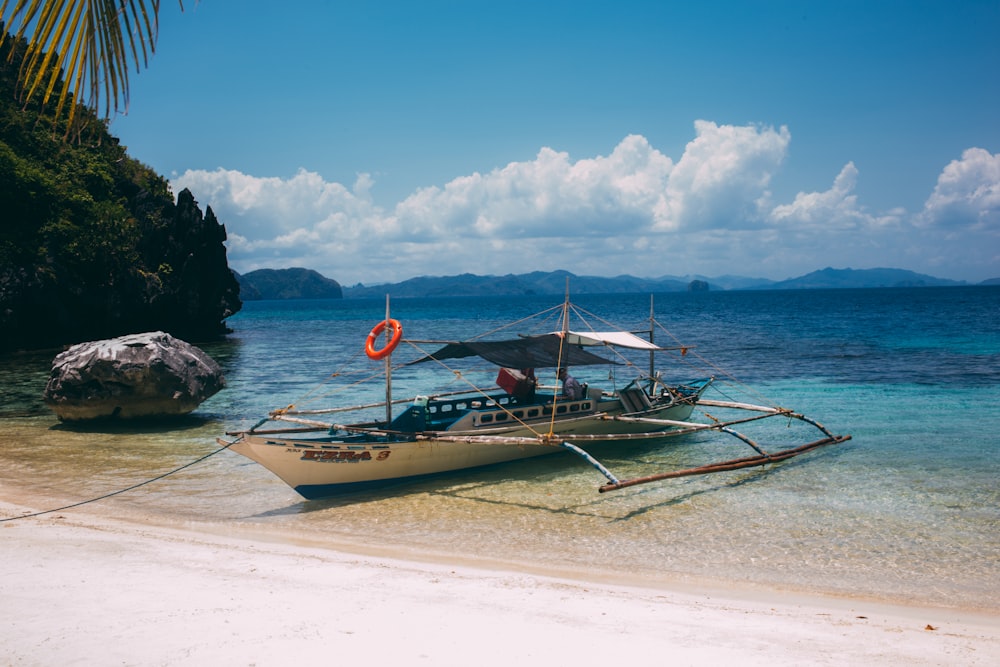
(397, 335)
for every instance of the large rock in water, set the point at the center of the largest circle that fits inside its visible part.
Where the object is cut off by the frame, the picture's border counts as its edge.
(141, 375)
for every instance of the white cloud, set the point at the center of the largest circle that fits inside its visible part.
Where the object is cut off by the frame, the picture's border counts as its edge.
(836, 208)
(633, 211)
(967, 194)
(265, 206)
(549, 197)
(722, 175)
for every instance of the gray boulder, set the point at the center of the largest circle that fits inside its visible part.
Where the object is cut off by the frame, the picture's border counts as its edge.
(140, 375)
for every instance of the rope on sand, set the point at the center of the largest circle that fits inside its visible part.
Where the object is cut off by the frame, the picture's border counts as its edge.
(120, 491)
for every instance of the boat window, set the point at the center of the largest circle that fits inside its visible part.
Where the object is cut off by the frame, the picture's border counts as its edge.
(585, 406)
(560, 409)
(485, 419)
(501, 416)
(518, 414)
(533, 413)
(575, 407)
(446, 407)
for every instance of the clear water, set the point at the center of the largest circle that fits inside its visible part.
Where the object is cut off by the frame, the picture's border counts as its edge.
(909, 510)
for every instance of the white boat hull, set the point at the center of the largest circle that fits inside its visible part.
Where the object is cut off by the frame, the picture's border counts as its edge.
(322, 466)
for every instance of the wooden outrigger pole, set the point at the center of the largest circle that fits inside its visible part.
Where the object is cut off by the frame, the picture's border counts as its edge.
(760, 459)
(735, 464)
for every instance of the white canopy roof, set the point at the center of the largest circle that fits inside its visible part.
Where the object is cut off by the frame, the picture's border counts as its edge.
(618, 338)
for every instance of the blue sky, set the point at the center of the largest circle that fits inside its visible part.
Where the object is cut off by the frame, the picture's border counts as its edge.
(379, 141)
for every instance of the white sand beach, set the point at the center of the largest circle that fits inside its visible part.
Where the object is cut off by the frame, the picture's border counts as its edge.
(79, 589)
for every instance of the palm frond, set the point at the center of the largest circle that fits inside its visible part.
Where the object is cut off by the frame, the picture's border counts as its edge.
(90, 45)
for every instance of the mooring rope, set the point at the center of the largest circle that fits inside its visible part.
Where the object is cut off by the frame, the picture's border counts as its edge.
(121, 491)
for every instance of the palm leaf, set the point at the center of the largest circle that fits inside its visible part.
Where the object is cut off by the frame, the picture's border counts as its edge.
(90, 45)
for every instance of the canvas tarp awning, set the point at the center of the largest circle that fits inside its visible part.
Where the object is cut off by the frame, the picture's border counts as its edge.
(528, 352)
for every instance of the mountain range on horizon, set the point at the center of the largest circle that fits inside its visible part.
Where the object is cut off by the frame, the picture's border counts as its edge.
(299, 283)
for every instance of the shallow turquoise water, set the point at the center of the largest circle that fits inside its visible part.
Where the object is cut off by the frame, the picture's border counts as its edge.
(907, 510)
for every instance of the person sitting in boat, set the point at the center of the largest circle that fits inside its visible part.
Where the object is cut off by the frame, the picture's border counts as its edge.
(524, 391)
(571, 390)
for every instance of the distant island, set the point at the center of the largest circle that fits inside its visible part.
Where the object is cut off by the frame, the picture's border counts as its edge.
(301, 283)
(293, 283)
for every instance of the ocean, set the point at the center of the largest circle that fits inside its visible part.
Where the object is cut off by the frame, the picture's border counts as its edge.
(908, 511)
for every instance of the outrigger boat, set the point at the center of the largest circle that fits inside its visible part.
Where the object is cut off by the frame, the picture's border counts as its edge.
(514, 417)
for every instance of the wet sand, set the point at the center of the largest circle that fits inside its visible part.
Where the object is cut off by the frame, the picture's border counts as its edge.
(79, 587)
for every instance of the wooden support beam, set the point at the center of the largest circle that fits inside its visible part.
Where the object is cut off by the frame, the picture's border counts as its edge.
(723, 466)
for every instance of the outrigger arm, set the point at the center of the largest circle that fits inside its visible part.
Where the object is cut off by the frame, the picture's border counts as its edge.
(760, 459)
(589, 459)
(723, 466)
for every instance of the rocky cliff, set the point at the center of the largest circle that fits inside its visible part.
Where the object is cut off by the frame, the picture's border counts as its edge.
(92, 243)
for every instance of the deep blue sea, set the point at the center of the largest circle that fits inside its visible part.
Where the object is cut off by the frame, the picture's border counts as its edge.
(907, 511)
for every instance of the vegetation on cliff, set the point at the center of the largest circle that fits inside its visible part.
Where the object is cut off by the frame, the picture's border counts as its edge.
(92, 244)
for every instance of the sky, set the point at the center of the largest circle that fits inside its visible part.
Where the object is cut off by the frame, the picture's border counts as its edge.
(384, 140)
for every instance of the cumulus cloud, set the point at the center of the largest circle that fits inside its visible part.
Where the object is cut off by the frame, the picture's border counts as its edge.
(267, 206)
(634, 211)
(722, 176)
(277, 222)
(549, 197)
(967, 194)
(836, 208)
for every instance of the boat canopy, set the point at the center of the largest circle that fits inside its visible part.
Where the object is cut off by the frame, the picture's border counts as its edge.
(615, 338)
(543, 351)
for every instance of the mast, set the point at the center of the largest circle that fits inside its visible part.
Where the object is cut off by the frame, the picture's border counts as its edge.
(559, 359)
(388, 370)
(652, 327)
(565, 317)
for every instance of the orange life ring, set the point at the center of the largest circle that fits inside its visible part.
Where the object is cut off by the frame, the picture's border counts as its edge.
(397, 335)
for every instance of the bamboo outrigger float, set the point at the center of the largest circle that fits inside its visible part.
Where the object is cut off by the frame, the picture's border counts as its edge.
(514, 419)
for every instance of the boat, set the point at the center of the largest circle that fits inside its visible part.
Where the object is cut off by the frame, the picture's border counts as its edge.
(501, 410)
